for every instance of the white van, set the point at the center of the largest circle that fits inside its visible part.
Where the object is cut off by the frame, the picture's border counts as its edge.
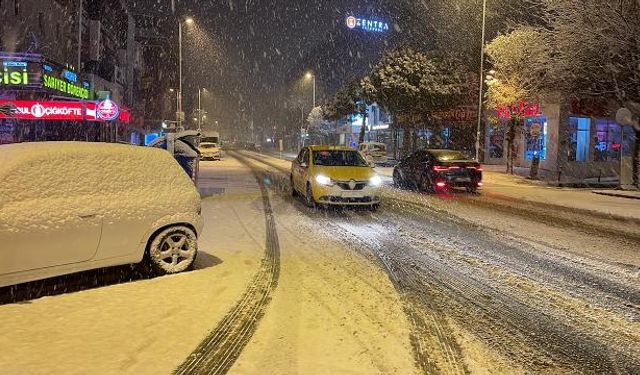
(374, 152)
(72, 206)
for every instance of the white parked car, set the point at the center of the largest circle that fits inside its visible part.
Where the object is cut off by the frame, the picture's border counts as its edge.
(72, 206)
(374, 152)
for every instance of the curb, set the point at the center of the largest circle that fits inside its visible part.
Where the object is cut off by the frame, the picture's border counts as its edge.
(615, 194)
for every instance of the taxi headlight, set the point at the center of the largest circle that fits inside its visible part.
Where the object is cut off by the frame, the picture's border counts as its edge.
(324, 180)
(375, 181)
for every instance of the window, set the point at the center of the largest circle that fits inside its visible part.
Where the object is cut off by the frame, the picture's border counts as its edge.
(535, 135)
(496, 141)
(607, 141)
(579, 130)
(335, 158)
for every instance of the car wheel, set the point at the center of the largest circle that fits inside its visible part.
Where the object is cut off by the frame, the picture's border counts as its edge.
(308, 198)
(425, 184)
(294, 192)
(472, 190)
(375, 207)
(173, 250)
(397, 179)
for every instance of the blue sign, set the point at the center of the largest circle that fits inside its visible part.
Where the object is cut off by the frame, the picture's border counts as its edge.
(367, 24)
(70, 76)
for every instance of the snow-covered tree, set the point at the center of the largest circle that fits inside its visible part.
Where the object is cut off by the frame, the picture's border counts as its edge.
(597, 51)
(413, 82)
(351, 99)
(520, 60)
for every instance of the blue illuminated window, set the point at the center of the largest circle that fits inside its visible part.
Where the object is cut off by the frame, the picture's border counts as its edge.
(579, 138)
(535, 134)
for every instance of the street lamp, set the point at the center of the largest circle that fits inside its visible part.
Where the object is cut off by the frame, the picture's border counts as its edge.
(309, 76)
(479, 129)
(200, 117)
(188, 21)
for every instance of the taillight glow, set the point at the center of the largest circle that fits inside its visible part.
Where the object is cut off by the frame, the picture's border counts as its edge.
(441, 184)
(480, 184)
(479, 169)
(439, 168)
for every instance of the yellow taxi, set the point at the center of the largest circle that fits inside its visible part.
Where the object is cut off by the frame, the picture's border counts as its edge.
(334, 175)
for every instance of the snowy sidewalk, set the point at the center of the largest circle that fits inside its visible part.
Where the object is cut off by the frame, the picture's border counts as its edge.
(502, 185)
(146, 326)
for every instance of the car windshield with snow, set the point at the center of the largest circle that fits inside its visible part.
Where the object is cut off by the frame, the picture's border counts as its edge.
(319, 187)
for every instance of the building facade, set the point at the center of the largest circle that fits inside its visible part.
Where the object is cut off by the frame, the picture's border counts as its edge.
(577, 141)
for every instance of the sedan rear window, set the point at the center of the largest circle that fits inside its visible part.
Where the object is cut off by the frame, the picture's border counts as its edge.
(447, 155)
(338, 158)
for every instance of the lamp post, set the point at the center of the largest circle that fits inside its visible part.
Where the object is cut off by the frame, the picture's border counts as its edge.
(311, 75)
(481, 76)
(188, 21)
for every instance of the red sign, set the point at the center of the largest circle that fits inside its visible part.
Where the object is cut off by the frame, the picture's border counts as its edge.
(124, 115)
(45, 110)
(59, 110)
(521, 109)
(107, 110)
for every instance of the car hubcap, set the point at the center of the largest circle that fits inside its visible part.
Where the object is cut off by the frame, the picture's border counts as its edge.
(175, 253)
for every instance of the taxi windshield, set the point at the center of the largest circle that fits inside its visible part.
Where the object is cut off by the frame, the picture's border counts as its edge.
(334, 158)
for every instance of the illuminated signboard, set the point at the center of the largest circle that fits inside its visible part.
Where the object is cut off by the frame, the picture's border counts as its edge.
(46, 110)
(123, 116)
(64, 81)
(107, 110)
(367, 24)
(62, 110)
(19, 72)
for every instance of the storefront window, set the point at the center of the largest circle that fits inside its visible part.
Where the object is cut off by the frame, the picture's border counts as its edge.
(579, 130)
(535, 134)
(607, 141)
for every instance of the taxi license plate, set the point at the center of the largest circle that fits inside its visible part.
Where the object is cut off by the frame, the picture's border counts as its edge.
(352, 194)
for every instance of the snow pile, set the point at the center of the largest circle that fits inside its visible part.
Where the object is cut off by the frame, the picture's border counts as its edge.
(47, 185)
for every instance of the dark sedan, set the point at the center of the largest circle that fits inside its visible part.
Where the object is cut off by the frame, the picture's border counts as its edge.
(438, 170)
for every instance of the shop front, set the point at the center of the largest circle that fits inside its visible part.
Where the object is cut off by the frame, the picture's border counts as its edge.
(577, 142)
(47, 101)
(56, 120)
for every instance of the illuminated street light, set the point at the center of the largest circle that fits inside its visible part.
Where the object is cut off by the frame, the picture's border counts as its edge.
(188, 21)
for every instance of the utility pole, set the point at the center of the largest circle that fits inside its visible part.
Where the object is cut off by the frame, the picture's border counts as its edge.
(481, 79)
(199, 110)
(80, 11)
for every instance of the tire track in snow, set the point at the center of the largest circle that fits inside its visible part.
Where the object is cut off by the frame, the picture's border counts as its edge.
(217, 353)
(430, 332)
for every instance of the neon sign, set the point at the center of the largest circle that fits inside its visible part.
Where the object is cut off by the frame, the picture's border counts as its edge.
(107, 110)
(47, 110)
(20, 73)
(65, 87)
(64, 110)
(367, 24)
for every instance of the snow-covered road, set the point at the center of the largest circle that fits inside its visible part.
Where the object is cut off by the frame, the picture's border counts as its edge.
(428, 284)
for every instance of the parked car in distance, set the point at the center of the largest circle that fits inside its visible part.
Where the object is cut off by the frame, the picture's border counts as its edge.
(67, 207)
(438, 170)
(210, 151)
(374, 152)
(334, 175)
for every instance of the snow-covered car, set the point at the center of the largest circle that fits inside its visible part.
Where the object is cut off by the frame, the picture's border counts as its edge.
(210, 151)
(72, 206)
(374, 152)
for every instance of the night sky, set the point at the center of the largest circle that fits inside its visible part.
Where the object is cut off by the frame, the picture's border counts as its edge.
(252, 54)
